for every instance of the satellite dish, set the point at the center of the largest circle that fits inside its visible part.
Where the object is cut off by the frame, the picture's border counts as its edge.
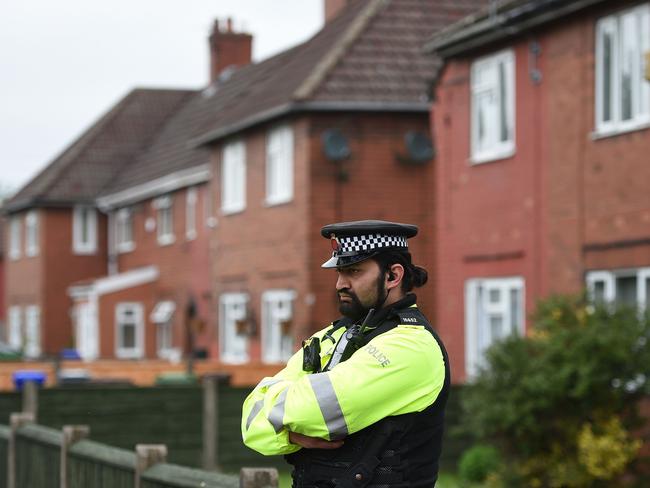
(418, 147)
(335, 145)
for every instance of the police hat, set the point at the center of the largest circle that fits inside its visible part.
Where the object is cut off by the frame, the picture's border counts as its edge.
(353, 242)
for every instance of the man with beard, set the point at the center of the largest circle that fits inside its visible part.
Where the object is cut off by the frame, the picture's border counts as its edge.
(362, 404)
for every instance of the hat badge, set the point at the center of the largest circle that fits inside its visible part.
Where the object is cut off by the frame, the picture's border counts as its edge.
(336, 245)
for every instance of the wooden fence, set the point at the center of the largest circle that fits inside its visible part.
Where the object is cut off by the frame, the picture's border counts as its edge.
(200, 424)
(34, 456)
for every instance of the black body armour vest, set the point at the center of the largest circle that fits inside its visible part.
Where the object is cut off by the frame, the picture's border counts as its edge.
(397, 452)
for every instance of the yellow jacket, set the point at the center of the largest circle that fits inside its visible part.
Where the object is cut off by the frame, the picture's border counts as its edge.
(400, 371)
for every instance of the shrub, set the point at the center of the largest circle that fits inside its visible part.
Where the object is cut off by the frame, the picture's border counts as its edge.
(478, 462)
(580, 371)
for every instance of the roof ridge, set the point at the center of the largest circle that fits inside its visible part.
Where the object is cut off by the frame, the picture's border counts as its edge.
(340, 48)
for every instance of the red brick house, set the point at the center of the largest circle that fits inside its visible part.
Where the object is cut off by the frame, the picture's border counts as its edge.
(361, 83)
(55, 234)
(205, 221)
(541, 118)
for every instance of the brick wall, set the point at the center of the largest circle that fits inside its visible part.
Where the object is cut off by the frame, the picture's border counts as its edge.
(43, 279)
(264, 247)
(280, 246)
(486, 214)
(532, 214)
(378, 186)
(183, 265)
(62, 268)
(599, 192)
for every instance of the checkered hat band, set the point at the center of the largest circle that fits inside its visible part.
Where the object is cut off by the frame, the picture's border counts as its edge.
(355, 244)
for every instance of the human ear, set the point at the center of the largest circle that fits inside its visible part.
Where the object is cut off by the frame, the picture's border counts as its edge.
(394, 276)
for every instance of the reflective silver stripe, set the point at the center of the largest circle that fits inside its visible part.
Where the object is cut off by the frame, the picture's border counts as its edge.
(276, 417)
(256, 409)
(338, 351)
(329, 405)
(269, 382)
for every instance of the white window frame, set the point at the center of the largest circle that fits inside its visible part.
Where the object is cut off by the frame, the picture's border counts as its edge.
(498, 149)
(276, 347)
(233, 347)
(31, 234)
(32, 331)
(162, 316)
(15, 237)
(279, 165)
(89, 246)
(164, 207)
(478, 309)
(191, 200)
(233, 177)
(608, 278)
(613, 25)
(15, 330)
(124, 241)
(137, 351)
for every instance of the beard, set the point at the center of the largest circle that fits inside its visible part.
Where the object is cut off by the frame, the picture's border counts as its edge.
(355, 309)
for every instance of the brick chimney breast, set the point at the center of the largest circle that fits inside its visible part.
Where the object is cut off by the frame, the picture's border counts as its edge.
(228, 48)
(333, 7)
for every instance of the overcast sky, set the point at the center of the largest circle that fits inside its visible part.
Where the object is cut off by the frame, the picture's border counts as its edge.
(63, 63)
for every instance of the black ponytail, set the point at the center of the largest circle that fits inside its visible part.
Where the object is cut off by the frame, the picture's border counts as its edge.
(414, 276)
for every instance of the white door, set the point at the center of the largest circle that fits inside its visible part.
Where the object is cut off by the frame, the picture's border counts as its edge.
(87, 336)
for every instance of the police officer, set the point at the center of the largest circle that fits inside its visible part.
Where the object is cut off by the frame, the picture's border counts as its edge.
(362, 403)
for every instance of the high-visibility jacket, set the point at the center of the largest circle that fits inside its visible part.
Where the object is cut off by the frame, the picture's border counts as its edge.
(400, 371)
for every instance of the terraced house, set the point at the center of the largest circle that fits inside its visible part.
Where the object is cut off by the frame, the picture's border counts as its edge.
(542, 120)
(188, 221)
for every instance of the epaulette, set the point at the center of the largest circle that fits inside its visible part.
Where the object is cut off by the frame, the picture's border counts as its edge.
(411, 316)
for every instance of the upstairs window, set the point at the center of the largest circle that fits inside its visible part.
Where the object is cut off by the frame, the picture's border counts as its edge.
(233, 178)
(279, 166)
(277, 325)
(624, 287)
(31, 233)
(124, 230)
(494, 309)
(15, 231)
(233, 327)
(493, 107)
(84, 230)
(191, 198)
(165, 221)
(622, 92)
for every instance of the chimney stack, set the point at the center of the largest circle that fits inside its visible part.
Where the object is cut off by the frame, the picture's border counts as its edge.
(333, 7)
(228, 48)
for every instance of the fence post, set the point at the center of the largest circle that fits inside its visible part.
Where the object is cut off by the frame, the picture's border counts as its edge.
(209, 433)
(146, 456)
(71, 434)
(30, 398)
(258, 478)
(211, 384)
(16, 420)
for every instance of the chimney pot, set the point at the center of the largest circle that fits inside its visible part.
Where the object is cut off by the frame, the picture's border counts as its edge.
(229, 24)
